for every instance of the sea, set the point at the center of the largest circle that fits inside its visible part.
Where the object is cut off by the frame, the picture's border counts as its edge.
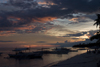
(46, 61)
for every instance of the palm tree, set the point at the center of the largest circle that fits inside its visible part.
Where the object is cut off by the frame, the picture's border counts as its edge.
(97, 23)
(97, 36)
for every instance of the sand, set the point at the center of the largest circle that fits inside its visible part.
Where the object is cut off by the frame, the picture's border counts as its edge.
(83, 60)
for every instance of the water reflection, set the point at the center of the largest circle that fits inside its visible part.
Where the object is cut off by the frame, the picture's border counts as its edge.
(36, 62)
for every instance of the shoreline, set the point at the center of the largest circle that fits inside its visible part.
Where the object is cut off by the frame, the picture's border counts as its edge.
(70, 55)
(82, 60)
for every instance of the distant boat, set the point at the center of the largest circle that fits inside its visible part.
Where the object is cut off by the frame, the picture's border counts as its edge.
(20, 54)
(61, 50)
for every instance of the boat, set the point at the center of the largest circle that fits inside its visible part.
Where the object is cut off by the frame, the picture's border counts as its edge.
(22, 53)
(60, 50)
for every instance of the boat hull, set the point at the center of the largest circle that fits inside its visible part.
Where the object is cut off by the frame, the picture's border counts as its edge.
(23, 56)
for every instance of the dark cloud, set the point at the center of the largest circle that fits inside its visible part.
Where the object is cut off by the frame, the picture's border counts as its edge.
(70, 44)
(6, 41)
(55, 10)
(88, 33)
(76, 34)
(91, 16)
(24, 4)
(79, 5)
(41, 42)
(31, 12)
(4, 22)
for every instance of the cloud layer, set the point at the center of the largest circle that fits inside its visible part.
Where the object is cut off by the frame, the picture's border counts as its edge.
(61, 18)
(22, 12)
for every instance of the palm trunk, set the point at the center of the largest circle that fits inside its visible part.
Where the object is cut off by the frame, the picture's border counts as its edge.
(99, 28)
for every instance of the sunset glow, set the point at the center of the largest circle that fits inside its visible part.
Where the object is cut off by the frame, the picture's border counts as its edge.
(44, 19)
(47, 23)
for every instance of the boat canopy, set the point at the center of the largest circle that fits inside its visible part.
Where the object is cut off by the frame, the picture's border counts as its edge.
(20, 49)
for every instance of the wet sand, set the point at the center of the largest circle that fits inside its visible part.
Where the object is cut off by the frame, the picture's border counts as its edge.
(83, 60)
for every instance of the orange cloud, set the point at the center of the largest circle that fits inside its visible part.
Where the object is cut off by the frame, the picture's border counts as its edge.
(73, 19)
(7, 33)
(42, 3)
(45, 3)
(15, 20)
(44, 19)
(1, 31)
(76, 40)
(25, 27)
(33, 46)
(85, 36)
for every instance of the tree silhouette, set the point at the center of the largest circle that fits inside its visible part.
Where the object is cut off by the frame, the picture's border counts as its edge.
(97, 36)
(97, 23)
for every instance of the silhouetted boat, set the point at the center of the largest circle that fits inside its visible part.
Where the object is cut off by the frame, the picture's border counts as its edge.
(61, 50)
(20, 54)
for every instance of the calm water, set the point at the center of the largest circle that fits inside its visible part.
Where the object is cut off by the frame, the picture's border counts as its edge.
(46, 60)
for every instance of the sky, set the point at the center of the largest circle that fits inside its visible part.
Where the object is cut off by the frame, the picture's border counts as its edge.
(47, 23)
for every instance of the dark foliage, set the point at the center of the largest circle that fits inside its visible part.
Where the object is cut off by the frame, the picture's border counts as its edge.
(87, 45)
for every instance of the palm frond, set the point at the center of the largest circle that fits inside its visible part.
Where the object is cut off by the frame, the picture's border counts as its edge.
(95, 37)
(96, 23)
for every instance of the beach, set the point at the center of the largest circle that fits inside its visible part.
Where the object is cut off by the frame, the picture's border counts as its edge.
(46, 60)
(82, 60)
(72, 59)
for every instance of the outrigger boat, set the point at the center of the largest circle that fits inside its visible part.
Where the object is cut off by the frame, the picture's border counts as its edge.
(21, 53)
(60, 50)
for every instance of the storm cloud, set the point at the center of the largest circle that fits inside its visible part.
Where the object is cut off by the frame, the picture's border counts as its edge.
(23, 13)
(6, 41)
(79, 5)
